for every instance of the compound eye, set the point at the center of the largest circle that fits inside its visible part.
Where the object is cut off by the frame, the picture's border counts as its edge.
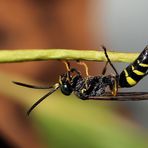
(66, 89)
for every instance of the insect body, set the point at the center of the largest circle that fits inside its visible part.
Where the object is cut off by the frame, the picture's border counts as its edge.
(135, 71)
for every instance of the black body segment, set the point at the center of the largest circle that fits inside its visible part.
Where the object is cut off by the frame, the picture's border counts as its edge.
(135, 71)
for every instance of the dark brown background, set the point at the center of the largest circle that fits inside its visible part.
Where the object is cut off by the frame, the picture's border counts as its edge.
(28, 24)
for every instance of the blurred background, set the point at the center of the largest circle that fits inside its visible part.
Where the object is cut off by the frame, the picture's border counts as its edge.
(60, 121)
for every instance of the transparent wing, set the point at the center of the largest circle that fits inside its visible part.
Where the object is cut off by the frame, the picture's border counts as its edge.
(123, 96)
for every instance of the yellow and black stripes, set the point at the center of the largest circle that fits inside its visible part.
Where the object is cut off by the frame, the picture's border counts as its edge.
(135, 71)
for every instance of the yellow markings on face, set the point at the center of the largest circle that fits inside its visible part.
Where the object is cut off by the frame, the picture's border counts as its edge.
(130, 80)
(137, 72)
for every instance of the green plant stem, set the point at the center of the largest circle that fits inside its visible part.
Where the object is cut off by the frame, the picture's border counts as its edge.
(24, 55)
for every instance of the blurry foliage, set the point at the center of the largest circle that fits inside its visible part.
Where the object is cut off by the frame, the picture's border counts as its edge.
(65, 122)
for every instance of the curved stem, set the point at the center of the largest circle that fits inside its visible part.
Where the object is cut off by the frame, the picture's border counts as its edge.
(24, 55)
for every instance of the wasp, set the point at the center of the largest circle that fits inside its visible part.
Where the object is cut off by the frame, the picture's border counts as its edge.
(101, 87)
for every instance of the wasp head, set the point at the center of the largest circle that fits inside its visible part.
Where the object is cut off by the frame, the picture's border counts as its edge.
(65, 84)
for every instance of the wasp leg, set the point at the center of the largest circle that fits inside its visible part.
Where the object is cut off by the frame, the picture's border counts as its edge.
(67, 64)
(109, 61)
(105, 68)
(85, 66)
(87, 75)
(114, 89)
(56, 86)
(116, 85)
(68, 67)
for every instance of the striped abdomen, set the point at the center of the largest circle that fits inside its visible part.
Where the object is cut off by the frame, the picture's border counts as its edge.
(135, 71)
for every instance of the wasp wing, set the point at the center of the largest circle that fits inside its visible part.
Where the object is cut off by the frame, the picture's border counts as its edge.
(122, 96)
